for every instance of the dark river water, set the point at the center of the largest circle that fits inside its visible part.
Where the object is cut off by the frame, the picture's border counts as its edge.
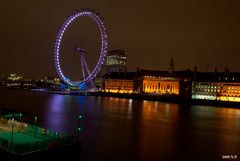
(115, 129)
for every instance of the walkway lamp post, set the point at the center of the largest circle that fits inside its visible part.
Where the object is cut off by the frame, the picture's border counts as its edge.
(35, 124)
(20, 123)
(12, 123)
(20, 117)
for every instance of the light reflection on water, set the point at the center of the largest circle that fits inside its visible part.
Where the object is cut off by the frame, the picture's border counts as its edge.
(53, 115)
(138, 130)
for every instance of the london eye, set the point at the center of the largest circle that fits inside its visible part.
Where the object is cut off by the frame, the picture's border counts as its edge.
(87, 74)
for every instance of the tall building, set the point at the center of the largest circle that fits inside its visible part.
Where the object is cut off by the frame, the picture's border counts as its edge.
(116, 61)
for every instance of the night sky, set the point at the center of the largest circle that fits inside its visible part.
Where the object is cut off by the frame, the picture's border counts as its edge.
(194, 33)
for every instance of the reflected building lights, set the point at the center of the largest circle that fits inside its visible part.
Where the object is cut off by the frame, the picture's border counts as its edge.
(167, 107)
(129, 111)
(156, 104)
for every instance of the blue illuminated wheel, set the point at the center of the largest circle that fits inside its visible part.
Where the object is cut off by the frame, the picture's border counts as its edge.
(104, 45)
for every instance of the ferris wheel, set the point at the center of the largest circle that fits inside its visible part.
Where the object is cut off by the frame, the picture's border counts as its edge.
(88, 76)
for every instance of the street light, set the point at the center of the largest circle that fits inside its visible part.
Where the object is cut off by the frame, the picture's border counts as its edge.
(20, 123)
(78, 129)
(35, 123)
(35, 120)
(20, 115)
(79, 116)
(12, 122)
(78, 122)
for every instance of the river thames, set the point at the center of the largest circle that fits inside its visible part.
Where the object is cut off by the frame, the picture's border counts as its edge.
(117, 129)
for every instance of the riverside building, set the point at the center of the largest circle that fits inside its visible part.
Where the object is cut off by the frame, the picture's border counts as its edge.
(164, 82)
(119, 82)
(222, 86)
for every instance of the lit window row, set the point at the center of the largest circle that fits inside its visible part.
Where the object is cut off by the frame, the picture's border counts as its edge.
(224, 91)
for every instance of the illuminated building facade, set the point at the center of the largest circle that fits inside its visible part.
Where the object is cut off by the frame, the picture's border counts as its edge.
(119, 82)
(163, 82)
(116, 61)
(229, 92)
(217, 86)
(186, 84)
(205, 90)
(119, 86)
(160, 85)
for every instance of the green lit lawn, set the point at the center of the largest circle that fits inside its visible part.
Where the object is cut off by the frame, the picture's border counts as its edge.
(18, 138)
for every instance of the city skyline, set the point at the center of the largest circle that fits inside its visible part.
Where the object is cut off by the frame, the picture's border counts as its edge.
(199, 33)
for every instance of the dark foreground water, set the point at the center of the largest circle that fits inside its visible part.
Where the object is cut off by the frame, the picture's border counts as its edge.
(115, 129)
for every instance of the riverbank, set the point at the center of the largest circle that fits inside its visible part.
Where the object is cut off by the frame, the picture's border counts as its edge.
(171, 98)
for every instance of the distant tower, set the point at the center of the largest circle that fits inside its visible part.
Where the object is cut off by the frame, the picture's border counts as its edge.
(215, 71)
(116, 61)
(195, 71)
(206, 68)
(171, 66)
(226, 71)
